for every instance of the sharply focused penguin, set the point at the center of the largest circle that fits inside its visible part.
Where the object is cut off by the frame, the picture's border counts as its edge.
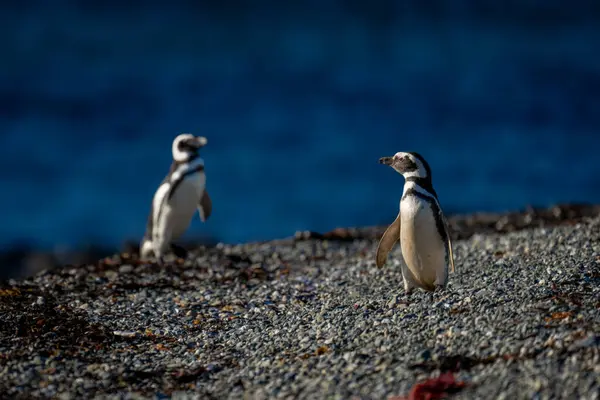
(420, 226)
(180, 194)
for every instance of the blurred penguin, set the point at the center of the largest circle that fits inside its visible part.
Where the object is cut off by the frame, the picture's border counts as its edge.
(180, 194)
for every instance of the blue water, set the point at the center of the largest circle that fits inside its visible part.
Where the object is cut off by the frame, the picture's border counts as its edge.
(298, 103)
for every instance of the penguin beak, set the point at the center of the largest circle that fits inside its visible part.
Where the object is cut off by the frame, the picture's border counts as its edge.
(197, 142)
(386, 160)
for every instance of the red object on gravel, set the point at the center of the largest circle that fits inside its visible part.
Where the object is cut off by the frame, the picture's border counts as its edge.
(433, 388)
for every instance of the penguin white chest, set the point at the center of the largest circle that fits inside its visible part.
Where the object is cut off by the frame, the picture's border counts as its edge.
(423, 248)
(184, 202)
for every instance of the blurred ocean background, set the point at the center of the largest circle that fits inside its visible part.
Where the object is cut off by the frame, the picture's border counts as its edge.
(298, 101)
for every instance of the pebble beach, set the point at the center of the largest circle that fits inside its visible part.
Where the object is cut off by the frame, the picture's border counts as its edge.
(312, 317)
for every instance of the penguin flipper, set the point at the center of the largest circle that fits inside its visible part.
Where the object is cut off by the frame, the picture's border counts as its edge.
(450, 253)
(205, 206)
(387, 242)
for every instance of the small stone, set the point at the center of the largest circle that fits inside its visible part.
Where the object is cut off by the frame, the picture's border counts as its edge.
(125, 334)
(125, 268)
(111, 275)
(425, 355)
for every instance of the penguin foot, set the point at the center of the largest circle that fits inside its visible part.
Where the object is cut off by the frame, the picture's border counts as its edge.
(438, 288)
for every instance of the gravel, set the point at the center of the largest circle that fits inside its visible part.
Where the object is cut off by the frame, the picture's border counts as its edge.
(312, 319)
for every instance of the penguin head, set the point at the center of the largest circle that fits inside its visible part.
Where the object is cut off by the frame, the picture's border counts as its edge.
(409, 164)
(186, 146)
